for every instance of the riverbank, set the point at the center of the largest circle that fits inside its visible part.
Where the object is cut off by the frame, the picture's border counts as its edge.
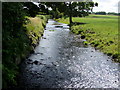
(100, 31)
(20, 46)
(35, 29)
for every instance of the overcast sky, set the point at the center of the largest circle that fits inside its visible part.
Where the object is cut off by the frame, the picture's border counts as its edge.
(106, 5)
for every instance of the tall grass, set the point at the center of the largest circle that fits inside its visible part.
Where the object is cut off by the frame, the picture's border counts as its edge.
(35, 28)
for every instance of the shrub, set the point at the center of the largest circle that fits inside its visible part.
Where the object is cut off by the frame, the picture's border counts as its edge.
(17, 40)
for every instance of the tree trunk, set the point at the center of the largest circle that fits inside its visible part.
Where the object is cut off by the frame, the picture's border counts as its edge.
(70, 14)
(70, 19)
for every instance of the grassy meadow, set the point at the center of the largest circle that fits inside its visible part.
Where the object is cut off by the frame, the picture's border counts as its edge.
(100, 31)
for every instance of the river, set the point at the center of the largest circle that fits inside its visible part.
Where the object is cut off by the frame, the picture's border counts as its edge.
(62, 61)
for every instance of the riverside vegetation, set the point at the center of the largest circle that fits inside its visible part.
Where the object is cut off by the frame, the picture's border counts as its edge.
(21, 34)
(24, 45)
(100, 31)
(22, 29)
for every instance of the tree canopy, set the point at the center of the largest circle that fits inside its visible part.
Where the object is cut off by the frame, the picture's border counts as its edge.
(70, 9)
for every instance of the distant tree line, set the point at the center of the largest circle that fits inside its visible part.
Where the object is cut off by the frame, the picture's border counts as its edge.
(113, 13)
(105, 13)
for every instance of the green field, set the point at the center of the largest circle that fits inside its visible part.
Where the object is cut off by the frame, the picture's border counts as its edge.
(100, 31)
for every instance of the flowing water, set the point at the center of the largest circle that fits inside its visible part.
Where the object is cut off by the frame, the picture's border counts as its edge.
(62, 61)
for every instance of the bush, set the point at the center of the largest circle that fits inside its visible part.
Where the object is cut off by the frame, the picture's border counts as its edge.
(17, 40)
(85, 43)
(115, 56)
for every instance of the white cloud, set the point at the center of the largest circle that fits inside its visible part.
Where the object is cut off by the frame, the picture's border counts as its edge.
(106, 5)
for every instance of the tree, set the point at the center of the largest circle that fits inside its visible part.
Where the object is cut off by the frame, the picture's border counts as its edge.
(31, 9)
(71, 9)
(112, 13)
(101, 13)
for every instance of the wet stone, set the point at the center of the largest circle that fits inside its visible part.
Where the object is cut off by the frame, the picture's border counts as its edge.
(29, 59)
(36, 62)
(29, 62)
(44, 37)
(41, 59)
(59, 26)
(41, 53)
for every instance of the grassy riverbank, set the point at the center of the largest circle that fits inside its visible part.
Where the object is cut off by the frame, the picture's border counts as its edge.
(35, 28)
(18, 47)
(100, 31)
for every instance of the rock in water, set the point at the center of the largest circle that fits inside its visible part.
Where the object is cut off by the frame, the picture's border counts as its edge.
(82, 37)
(35, 62)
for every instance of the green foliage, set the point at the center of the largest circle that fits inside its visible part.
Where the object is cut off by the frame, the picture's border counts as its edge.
(13, 40)
(51, 30)
(77, 30)
(35, 28)
(31, 9)
(16, 39)
(85, 43)
(70, 9)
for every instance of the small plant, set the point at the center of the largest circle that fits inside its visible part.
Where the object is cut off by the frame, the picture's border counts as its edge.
(109, 54)
(96, 44)
(51, 30)
(85, 43)
(115, 56)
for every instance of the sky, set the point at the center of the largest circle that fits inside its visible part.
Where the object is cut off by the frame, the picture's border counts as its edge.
(106, 5)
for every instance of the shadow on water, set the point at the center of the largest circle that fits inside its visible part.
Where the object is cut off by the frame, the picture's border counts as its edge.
(62, 61)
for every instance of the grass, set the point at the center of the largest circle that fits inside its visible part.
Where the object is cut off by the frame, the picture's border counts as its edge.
(101, 31)
(51, 30)
(35, 28)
